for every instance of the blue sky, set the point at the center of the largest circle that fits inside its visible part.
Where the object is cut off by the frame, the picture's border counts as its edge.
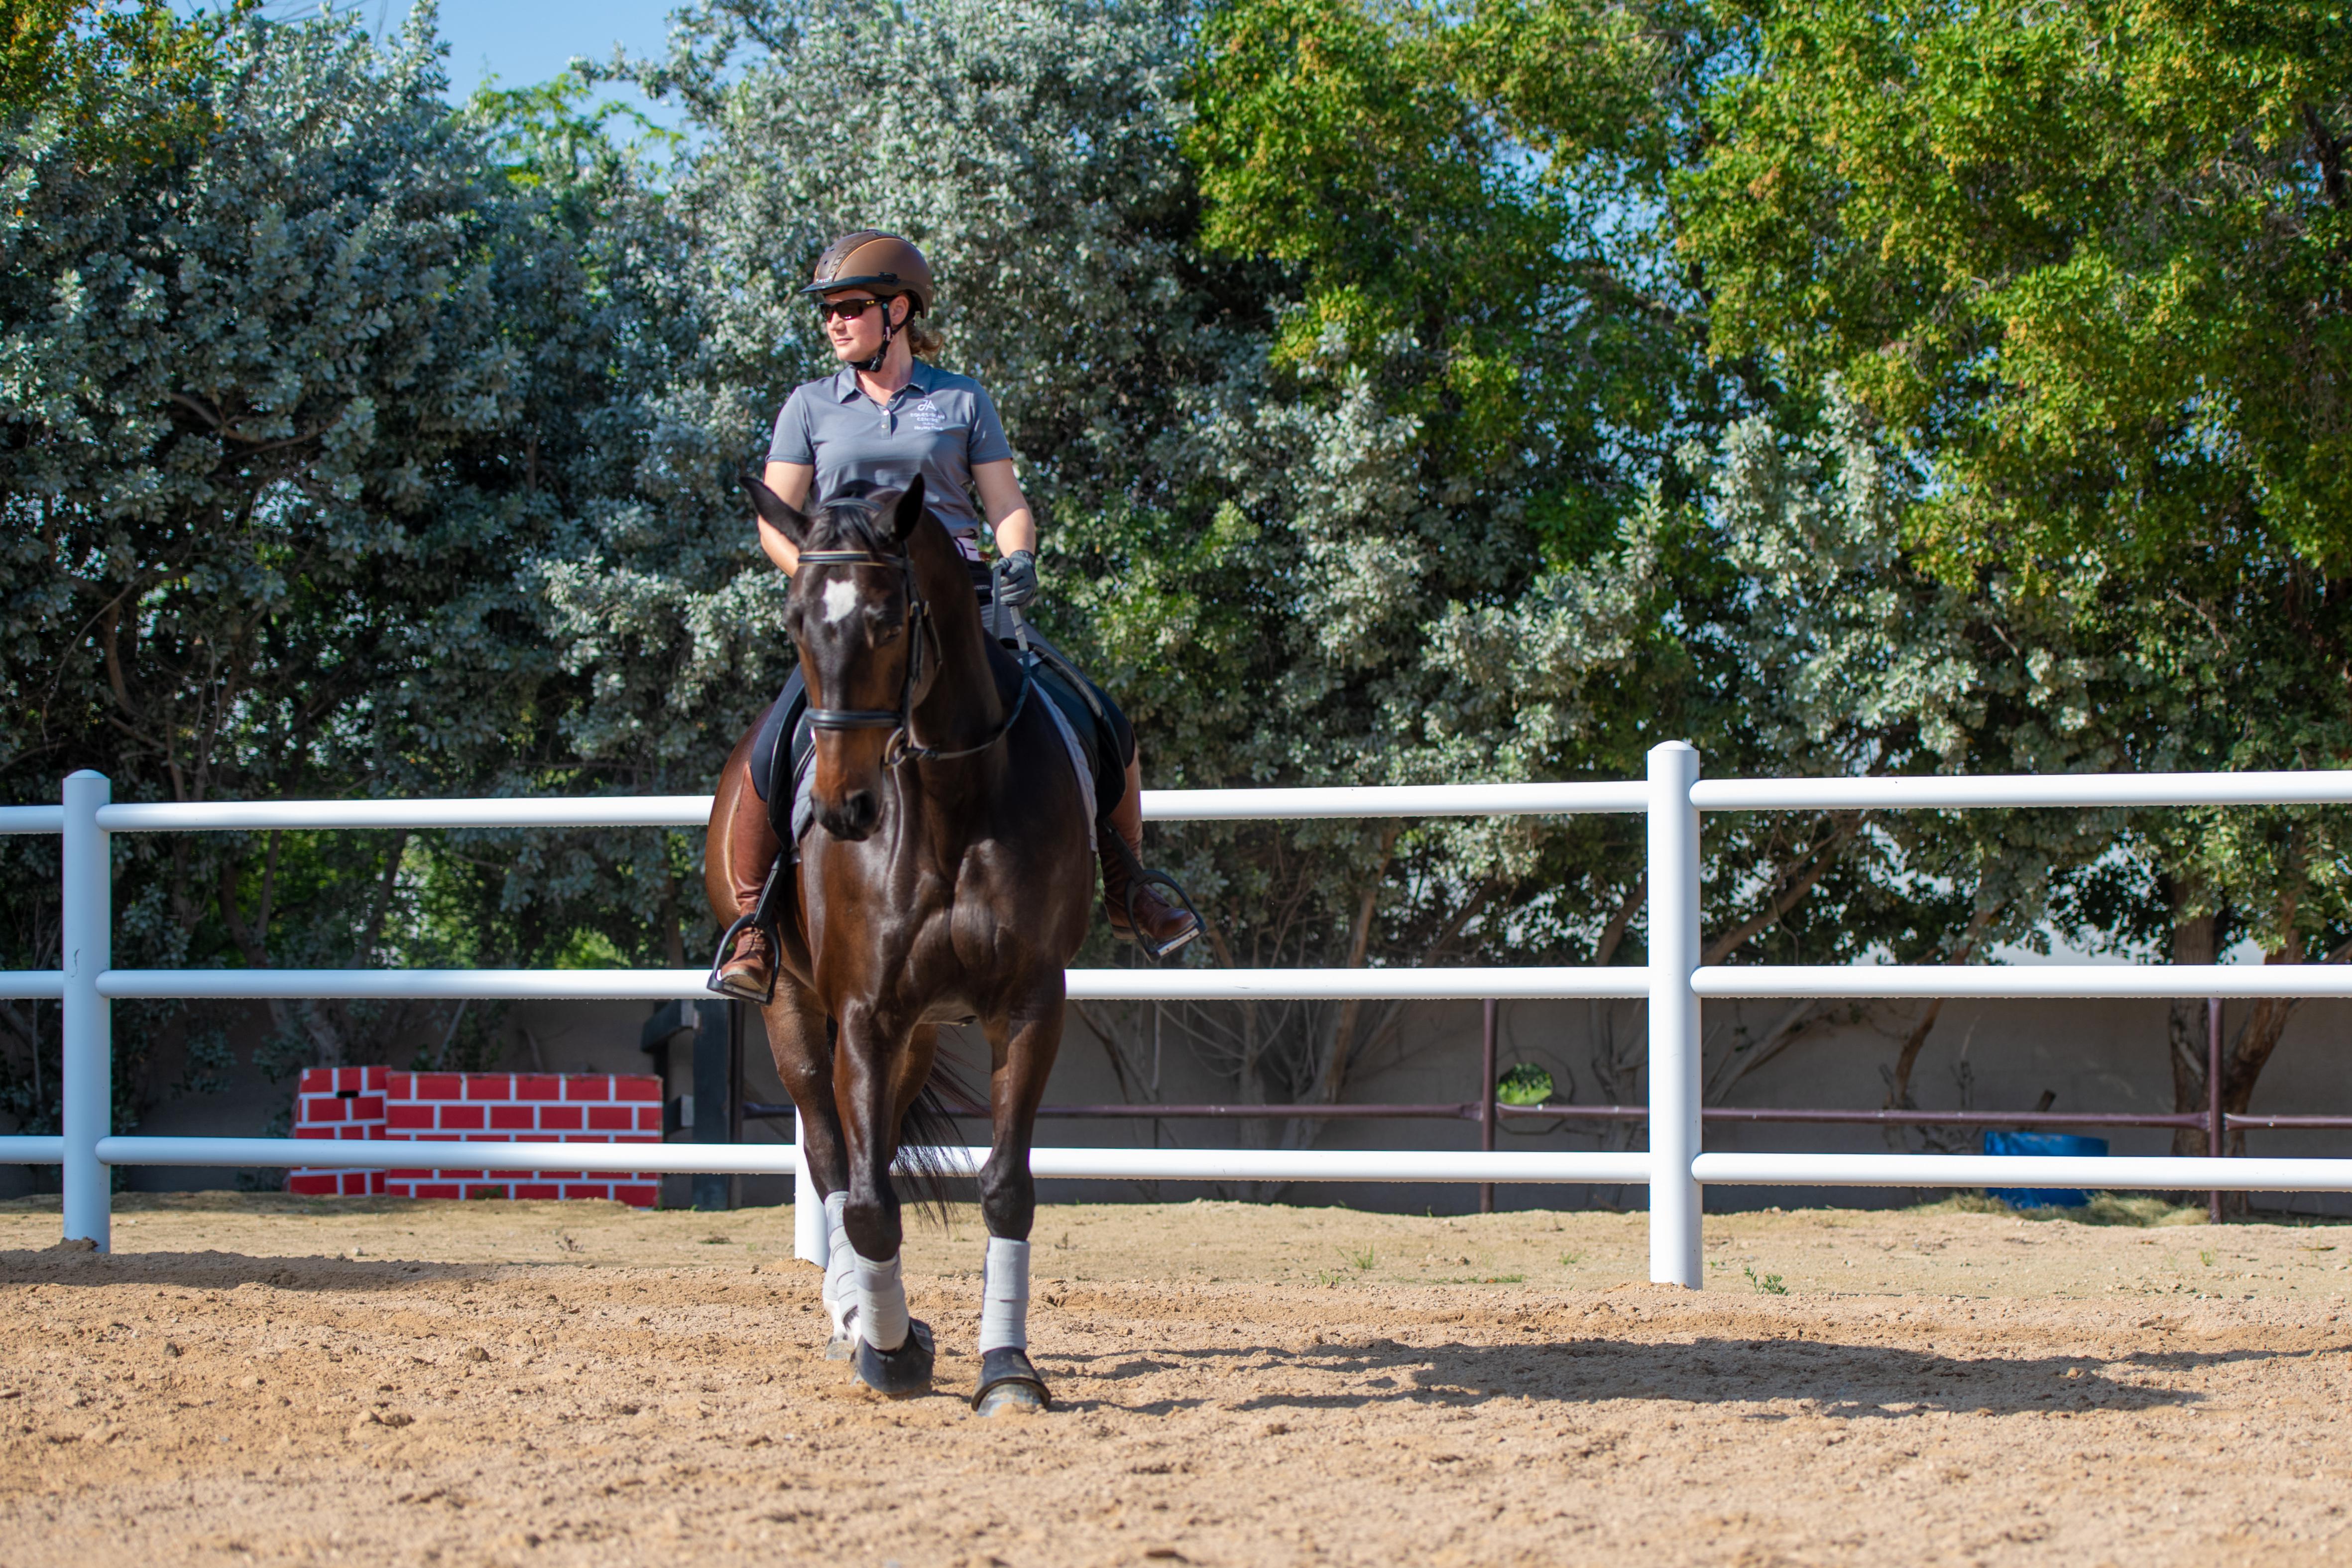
(525, 41)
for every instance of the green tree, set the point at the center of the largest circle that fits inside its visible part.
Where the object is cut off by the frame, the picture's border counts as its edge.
(70, 62)
(279, 414)
(1523, 579)
(2086, 262)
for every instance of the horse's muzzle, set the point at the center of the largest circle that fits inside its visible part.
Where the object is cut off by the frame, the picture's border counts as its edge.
(853, 817)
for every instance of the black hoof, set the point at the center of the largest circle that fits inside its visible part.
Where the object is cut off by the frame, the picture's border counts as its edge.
(838, 1348)
(901, 1373)
(1009, 1384)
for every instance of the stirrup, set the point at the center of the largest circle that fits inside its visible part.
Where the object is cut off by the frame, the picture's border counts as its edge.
(726, 945)
(1139, 875)
(1161, 878)
(762, 918)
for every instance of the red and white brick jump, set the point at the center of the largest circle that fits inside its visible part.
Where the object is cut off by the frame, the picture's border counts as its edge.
(438, 1107)
(339, 1102)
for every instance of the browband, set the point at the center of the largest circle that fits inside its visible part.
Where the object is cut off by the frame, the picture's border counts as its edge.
(853, 718)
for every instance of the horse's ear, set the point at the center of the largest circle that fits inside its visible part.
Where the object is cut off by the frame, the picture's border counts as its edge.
(909, 509)
(778, 513)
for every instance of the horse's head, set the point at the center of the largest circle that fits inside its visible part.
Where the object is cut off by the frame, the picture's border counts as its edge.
(855, 614)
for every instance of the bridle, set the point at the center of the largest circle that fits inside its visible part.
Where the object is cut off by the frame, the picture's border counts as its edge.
(900, 720)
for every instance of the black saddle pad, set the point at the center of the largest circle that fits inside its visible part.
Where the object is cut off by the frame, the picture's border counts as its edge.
(1088, 724)
(781, 756)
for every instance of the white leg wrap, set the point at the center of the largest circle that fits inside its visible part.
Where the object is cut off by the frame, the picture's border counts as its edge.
(1004, 1295)
(881, 1303)
(840, 1291)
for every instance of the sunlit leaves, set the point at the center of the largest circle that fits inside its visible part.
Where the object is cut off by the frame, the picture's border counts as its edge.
(2085, 254)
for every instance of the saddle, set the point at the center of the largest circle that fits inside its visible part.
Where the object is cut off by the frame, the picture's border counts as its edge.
(785, 749)
(788, 752)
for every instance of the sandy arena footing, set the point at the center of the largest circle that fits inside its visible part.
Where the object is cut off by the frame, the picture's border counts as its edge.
(264, 1379)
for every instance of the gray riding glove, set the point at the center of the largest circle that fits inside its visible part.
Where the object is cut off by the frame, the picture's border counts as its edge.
(1016, 585)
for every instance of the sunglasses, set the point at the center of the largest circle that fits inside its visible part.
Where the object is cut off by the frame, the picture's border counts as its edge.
(843, 310)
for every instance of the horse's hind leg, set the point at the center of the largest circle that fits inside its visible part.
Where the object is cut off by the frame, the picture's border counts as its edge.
(1023, 1049)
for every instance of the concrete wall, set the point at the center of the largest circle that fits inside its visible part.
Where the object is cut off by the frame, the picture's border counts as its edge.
(2094, 1056)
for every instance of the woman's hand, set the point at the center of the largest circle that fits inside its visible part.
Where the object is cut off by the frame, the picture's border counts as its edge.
(1017, 585)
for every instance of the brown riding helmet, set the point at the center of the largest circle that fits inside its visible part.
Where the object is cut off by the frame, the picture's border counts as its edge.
(871, 259)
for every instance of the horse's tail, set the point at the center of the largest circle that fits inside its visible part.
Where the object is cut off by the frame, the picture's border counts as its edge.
(930, 1128)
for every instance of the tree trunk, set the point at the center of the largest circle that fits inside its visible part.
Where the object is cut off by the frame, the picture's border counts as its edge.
(2192, 942)
(674, 926)
(2243, 1057)
(1898, 1082)
(1359, 940)
(2243, 1053)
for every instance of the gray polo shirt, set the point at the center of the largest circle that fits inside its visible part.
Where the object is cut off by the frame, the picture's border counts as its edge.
(939, 423)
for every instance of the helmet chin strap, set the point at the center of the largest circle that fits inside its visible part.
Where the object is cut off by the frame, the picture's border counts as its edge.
(874, 366)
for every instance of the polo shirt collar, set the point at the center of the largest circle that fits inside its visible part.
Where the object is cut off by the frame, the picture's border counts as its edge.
(923, 378)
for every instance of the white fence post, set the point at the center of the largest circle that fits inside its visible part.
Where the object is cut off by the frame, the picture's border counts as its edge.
(1675, 1197)
(88, 1079)
(810, 1237)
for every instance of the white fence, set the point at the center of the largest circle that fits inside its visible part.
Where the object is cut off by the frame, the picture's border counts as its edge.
(1675, 1168)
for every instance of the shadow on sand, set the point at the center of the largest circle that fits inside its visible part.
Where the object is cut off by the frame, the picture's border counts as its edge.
(65, 1264)
(1832, 1379)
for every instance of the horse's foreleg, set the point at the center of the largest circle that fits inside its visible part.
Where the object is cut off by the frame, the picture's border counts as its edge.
(1023, 1049)
(803, 1056)
(893, 1353)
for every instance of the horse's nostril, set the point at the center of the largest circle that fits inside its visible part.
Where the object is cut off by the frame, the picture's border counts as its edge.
(862, 809)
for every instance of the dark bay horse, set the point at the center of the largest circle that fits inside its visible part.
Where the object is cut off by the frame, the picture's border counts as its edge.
(947, 877)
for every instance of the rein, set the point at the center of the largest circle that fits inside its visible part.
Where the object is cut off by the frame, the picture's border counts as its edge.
(900, 721)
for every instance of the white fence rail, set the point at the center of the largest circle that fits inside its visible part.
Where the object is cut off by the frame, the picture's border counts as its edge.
(781, 1159)
(662, 984)
(1675, 1168)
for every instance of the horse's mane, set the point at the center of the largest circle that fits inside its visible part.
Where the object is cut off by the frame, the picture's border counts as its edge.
(850, 518)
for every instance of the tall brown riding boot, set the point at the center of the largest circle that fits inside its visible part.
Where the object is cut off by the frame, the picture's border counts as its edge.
(741, 847)
(1158, 926)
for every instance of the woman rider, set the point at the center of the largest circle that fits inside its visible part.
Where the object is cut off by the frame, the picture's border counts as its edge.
(883, 417)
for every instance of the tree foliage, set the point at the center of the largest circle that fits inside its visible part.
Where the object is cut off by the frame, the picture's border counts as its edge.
(279, 413)
(73, 61)
(1410, 393)
(2088, 260)
(2092, 253)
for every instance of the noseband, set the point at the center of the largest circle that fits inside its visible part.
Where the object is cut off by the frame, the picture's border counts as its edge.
(900, 721)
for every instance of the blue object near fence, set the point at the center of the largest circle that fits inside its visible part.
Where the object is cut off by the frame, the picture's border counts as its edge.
(2041, 1144)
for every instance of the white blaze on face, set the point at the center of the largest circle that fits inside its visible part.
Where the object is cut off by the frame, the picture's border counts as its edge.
(840, 598)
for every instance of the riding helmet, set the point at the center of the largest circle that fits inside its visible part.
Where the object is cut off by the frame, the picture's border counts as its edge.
(871, 259)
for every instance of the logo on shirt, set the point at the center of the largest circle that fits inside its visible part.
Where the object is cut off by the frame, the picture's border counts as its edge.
(927, 416)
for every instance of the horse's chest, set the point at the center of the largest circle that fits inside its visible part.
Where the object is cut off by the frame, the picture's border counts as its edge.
(970, 927)
(942, 937)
